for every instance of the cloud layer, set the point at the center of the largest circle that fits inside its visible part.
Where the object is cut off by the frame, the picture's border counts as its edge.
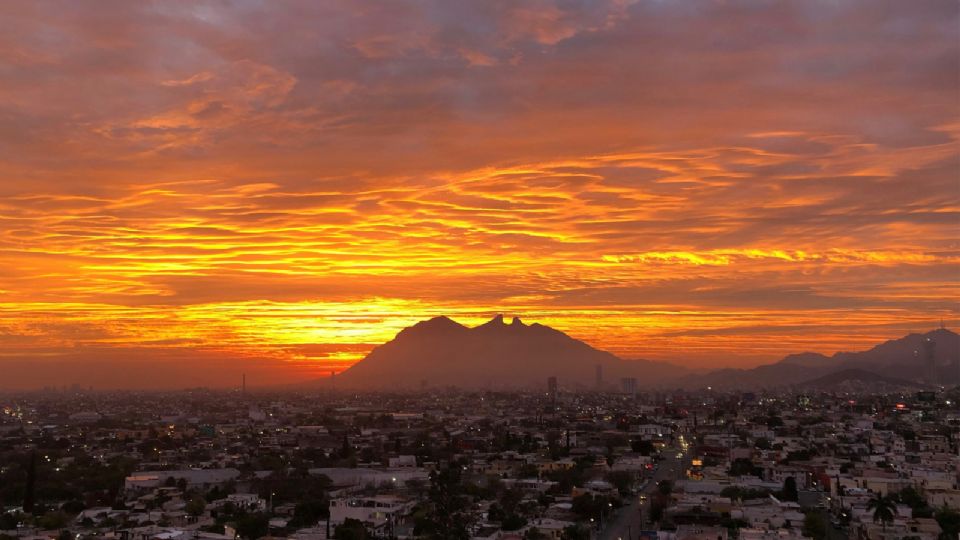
(286, 185)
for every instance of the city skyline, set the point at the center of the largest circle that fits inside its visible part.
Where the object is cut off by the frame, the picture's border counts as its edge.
(279, 190)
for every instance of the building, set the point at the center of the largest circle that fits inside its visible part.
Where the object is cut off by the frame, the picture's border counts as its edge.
(376, 512)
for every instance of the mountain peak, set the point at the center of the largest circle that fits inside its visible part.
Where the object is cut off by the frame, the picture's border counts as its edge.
(498, 353)
(495, 322)
(441, 324)
(942, 331)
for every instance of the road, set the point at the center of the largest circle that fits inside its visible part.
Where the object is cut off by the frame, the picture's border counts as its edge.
(626, 523)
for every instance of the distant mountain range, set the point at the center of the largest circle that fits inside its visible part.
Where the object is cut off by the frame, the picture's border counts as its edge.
(905, 359)
(855, 378)
(501, 355)
(496, 355)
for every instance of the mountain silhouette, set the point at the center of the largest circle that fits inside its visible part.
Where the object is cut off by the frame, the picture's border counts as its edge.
(862, 377)
(902, 359)
(495, 355)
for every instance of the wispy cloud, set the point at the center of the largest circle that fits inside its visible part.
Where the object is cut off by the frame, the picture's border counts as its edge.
(293, 186)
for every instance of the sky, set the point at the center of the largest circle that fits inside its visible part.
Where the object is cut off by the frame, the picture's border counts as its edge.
(194, 190)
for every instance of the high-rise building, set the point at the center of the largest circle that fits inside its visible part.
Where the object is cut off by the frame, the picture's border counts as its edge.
(552, 386)
(629, 385)
(599, 382)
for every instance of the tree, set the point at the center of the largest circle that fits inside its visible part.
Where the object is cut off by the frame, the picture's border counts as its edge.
(351, 529)
(534, 533)
(9, 520)
(575, 532)
(657, 506)
(253, 526)
(309, 511)
(416, 485)
(588, 506)
(513, 522)
(742, 467)
(196, 506)
(665, 487)
(917, 503)
(54, 520)
(815, 525)
(949, 521)
(496, 512)
(74, 506)
(445, 517)
(644, 448)
(790, 492)
(622, 480)
(29, 494)
(884, 508)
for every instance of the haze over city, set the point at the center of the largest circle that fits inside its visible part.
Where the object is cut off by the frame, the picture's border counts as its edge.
(192, 191)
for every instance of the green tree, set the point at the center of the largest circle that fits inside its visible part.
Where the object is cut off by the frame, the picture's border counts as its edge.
(53, 520)
(949, 520)
(575, 532)
(253, 526)
(30, 490)
(351, 529)
(9, 520)
(309, 511)
(742, 467)
(445, 516)
(534, 533)
(790, 492)
(587, 506)
(196, 507)
(665, 487)
(815, 525)
(884, 509)
(74, 506)
(622, 480)
(917, 503)
(644, 448)
(513, 522)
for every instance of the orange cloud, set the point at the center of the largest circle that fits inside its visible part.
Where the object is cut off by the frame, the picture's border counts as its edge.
(287, 188)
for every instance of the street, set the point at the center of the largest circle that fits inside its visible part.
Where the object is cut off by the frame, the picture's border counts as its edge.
(627, 523)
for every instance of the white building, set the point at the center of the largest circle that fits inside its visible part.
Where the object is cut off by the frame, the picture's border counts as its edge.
(375, 512)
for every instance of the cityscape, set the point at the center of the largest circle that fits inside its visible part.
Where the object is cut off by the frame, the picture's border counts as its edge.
(443, 463)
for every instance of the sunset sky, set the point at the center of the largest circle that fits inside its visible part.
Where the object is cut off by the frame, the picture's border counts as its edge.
(192, 190)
